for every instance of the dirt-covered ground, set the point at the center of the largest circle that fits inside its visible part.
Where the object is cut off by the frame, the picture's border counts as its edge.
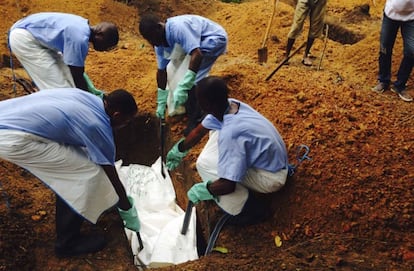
(349, 208)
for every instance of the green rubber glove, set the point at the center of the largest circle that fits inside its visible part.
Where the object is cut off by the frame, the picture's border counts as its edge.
(181, 92)
(199, 192)
(91, 87)
(162, 96)
(174, 156)
(130, 217)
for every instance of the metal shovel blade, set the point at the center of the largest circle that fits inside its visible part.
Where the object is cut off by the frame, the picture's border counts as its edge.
(262, 54)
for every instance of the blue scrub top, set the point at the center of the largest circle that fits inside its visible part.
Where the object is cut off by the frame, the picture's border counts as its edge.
(62, 32)
(68, 116)
(247, 140)
(191, 32)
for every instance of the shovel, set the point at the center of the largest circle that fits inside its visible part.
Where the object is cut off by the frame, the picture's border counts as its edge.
(162, 139)
(262, 52)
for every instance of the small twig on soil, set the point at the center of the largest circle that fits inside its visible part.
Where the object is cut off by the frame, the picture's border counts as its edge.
(23, 248)
(358, 238)
(318, 237)
(91, 264)
(327, 235)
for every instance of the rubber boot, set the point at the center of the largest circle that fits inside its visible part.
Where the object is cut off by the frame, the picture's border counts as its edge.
(194, 112)
(69, 240)
(254, 211)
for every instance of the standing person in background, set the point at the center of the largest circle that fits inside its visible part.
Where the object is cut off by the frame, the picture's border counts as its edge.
(245, 155)
(52, 47)
(398, 14)
(315, 9)
(199, 37)
(65, 138)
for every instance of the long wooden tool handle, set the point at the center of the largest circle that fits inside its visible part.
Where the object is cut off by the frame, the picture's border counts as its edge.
(269, 24)
(324, 46)
(284, 61)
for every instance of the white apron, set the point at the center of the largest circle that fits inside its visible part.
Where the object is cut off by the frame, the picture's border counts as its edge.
(67, 170)
(44, 66)
(256, 179)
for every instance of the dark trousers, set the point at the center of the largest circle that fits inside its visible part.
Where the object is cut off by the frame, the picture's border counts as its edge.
(389, 30)
(68, 223)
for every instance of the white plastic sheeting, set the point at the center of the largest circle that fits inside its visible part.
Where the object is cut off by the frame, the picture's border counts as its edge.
(176, 69)
(161, 218)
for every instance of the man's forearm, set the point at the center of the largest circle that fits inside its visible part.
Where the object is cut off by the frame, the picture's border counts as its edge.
(123, 202)
(162, 79)
(78, 79)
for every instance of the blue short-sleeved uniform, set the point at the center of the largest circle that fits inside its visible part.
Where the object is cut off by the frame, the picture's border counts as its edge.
(191, 32)
(62, 32)
(71, 117)
(247, 140)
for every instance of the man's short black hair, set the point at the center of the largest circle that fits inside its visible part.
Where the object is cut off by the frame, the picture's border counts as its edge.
(122, 101)
(213, 89)
(111, 34)
(147, 24)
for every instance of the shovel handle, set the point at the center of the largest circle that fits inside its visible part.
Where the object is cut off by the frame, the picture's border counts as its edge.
(269, 23)
(141, 246)
(284, 61)
(187, 217)
(162, 141)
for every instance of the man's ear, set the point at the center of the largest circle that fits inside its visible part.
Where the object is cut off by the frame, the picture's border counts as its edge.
(160, 27)
(115, 114)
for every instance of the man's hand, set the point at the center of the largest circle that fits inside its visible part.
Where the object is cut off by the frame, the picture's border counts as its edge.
(180, 94)
(130, 216)
(199, 192)
(162, 96)
(175, 156)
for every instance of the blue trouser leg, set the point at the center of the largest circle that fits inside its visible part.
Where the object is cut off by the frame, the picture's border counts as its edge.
(406, 66)
(389, 30)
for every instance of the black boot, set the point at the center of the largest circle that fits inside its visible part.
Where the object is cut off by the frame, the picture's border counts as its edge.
(254, 211)
(193, 110)
(69, 240)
